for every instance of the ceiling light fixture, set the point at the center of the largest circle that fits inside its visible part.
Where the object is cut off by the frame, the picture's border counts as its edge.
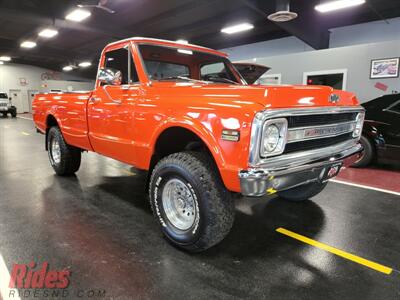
(182, 41)
(78, 15)
(85, 64)
(185, 51)
(237, 28)
(68, 68)
(48, 33)
(28, 44)
(283, 13)
(337, 4)
(5, 58)
(1, 62)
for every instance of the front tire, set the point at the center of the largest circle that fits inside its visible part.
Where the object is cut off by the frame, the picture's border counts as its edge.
(190, 202)
(303, 192)
(64, 159)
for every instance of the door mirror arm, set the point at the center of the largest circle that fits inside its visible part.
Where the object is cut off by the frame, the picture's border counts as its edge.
(110, 76)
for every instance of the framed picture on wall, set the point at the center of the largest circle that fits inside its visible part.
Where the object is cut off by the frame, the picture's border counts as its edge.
(385, 68)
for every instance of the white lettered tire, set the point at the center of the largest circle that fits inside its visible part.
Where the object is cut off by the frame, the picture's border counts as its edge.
(190, 202)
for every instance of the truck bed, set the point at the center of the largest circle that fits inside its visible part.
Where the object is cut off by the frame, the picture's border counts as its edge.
(70, 111)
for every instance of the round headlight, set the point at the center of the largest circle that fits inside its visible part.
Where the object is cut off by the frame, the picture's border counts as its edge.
(271, 139)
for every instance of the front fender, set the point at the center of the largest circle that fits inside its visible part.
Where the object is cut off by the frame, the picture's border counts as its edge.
(198, 129)
(229, 156)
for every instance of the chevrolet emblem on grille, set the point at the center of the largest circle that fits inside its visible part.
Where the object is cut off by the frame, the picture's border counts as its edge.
(316, 132)
(334, 98)
(299, 134)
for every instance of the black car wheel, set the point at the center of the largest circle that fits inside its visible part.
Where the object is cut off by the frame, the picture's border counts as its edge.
(367, 155)
(13, 112)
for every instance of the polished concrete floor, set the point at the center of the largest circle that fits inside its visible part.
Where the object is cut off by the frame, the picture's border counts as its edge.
(99, 226)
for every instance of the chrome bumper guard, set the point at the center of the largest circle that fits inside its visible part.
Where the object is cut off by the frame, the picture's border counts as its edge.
(289, 171)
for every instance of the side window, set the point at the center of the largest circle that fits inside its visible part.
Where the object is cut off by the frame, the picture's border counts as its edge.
(395, 107)
(121, 59)
(216, 70)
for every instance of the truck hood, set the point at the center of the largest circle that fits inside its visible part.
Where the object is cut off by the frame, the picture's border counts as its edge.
(251, 72)
(285, 96)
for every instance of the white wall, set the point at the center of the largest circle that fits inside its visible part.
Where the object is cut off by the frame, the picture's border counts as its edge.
(352, 48)
(372, 32)
(10, 75)
(365, 33)
(66, 85)
(356, 59)
(268, 48)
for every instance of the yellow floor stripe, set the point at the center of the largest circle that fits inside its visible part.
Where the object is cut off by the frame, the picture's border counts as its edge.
(24, 133)
(338, 252)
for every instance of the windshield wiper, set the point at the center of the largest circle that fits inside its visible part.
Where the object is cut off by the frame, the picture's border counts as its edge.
(221, 80)
(182, 78)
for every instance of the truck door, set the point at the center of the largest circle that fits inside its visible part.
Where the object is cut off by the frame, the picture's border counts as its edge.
(111, 109)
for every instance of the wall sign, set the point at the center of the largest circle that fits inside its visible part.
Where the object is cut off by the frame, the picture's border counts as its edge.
(385, 68)
(23, 82)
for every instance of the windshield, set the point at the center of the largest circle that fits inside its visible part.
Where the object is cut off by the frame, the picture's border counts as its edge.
(173, 64)
(3, 96)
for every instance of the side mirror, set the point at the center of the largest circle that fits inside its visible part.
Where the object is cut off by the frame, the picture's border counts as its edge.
(110, 76)
(10, 98)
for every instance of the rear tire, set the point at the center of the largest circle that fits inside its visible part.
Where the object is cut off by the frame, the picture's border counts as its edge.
(367, 155)
(303, 192)
(190, 202)
(64, 159)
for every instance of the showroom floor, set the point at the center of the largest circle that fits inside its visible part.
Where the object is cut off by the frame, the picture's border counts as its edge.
(99, 226)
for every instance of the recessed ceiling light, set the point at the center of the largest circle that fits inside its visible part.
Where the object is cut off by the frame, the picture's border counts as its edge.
(48, 33)
(337, 4)
(78, 15)
(1, 62)
(5, 58)
(28, 44)
(68, 68)
(182, 41)
(85, 64)
(237, 28)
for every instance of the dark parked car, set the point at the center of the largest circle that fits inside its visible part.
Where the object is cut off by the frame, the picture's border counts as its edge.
(381, 132)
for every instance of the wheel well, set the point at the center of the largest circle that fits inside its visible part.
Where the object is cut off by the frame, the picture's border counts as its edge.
(50, 122)
(176, 139)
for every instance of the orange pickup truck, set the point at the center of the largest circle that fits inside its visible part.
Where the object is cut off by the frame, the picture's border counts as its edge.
(188, 116)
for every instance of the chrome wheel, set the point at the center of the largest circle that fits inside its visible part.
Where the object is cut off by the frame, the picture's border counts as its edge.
(55, 151)
(179, 204)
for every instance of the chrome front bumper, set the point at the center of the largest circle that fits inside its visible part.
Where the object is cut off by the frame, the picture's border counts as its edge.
(3, 108)
(288, 171)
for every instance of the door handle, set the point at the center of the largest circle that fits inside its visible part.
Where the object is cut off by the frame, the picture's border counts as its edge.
(117, 101)
(94, 100)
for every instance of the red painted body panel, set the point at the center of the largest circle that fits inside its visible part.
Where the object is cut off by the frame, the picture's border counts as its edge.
(128, 130)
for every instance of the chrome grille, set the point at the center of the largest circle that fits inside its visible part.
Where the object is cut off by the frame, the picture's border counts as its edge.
(331, 141)
(3, 104)
(301, 121)
(316, 131)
